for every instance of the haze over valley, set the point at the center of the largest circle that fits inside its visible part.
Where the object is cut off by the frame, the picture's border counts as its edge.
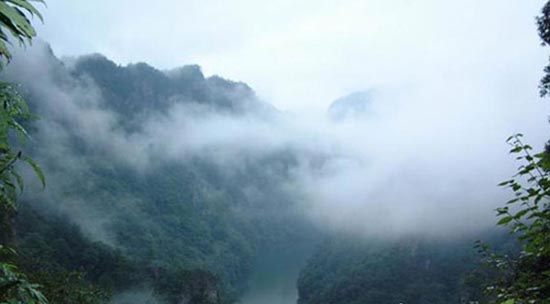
(357, 161)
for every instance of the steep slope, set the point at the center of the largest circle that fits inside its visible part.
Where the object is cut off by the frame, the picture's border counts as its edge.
(169, 185)
(175, 208)
(407, 270)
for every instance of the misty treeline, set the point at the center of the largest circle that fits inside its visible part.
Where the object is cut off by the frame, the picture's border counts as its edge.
(166, 186)
(178, 226)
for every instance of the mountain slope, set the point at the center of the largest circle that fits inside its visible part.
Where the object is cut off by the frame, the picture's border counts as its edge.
(187, 213)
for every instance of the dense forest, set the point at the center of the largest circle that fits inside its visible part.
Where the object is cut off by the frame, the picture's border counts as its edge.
(408, 270)
(191, 228)
(144, 185)
(160, 223)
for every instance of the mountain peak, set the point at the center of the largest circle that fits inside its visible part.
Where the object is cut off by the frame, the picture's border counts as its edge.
(357, 105)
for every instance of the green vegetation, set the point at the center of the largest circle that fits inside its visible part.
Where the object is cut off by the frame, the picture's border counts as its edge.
(183, 229)
(14, 21)
(525, 277)
(416, 271)
(543, 22)
(407, 270)
(15, 287)
(188, 231)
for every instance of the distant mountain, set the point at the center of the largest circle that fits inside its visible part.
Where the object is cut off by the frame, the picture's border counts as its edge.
(358, 105)
(137, 89)
(161, 190)
(176, 224)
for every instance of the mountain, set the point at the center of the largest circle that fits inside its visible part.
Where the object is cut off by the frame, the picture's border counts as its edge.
(349, 270)
(357, 105)
(174, 187)
(185, 224)
(138, 89)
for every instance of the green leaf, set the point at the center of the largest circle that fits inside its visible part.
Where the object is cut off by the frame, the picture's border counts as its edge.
(29, 7)
(505, 220)
(504, 183)
(19, 179)
(502, 210)
(516, 149)
(4, 50)
(22, 134)
(16, 21)
(512, 201)
(6, 201)
(521, 213)
(36, 169)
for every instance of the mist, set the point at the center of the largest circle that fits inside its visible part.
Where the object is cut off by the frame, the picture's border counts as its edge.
(281, 152)
(425, 161)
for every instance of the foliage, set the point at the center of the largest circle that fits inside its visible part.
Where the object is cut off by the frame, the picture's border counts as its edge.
(525, 278)
(190, 214)
(531, 186)
(14, 21)
(189, 286)
(408, 270)
(175, 216)
(15, 288)
(72, 288)
(135, 90)
(71, 268)
(543, 23)
(14, 112)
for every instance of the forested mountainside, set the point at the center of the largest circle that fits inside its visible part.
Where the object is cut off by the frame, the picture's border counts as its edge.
(137, 90)
(126, 212)
(155, 195)
(408, 270)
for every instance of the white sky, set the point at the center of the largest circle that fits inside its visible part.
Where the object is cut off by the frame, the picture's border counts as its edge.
(455, 79)
(304, 54)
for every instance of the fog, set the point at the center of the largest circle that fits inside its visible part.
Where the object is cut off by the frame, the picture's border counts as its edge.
(426, 161)
(329, 120)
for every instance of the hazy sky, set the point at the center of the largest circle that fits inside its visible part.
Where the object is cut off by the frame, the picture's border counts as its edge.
(304, 54)
(453, 79)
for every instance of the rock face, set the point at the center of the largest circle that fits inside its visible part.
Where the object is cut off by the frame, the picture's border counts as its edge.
(200, 287)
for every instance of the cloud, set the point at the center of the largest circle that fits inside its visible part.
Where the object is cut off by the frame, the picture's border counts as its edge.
(426, 162)
(304, 55)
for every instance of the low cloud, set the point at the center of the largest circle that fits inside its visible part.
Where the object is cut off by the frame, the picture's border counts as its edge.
(426, 161)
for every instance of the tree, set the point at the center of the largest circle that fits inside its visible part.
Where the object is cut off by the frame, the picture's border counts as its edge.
(14, 20)
(525, 278)
(13, 109)
(14, 23)
(543, 23)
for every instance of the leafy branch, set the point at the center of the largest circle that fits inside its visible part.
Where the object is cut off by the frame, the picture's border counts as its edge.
(15, 19)
(13, 111)
(524, 278)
